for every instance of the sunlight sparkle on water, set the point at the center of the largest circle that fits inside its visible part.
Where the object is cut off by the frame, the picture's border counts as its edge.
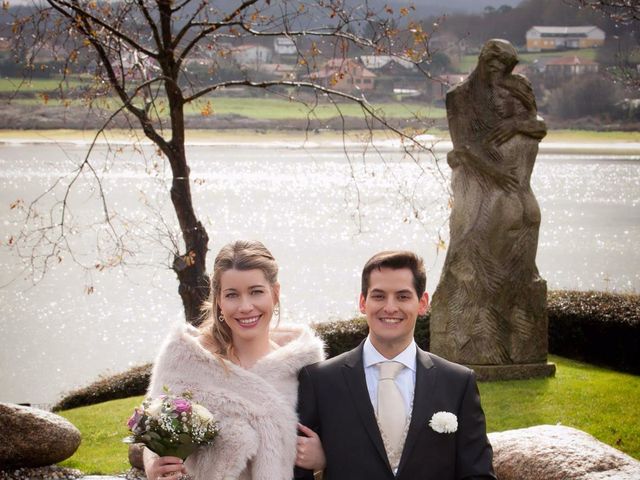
(321, 215)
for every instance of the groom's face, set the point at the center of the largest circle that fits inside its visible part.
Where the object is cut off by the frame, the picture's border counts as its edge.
(392, 307)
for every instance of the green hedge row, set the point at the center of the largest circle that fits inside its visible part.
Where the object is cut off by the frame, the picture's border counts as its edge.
(342, 335)
(122, 385)
(599, 328)
(596, 327)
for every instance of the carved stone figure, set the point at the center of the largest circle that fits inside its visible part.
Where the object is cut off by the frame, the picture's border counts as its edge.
(490, 305)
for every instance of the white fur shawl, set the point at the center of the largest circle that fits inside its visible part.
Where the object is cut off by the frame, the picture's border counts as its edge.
(255, 408)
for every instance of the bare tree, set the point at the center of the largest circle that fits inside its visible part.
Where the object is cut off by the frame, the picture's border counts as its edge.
(140, 52)
(621, 11)
(621, 48)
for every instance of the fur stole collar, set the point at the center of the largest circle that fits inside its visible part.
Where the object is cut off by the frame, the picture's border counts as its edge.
(299, 346)
(256, 407)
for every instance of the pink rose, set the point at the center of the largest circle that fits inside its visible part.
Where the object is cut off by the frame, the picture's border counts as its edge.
(135, 419)
(181, 405)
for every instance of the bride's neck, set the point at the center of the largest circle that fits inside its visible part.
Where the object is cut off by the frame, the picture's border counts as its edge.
(247, 353)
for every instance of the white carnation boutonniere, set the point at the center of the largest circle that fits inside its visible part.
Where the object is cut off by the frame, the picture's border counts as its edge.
(444, 422)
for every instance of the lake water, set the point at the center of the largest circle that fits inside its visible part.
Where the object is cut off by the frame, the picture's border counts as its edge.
(323, 212)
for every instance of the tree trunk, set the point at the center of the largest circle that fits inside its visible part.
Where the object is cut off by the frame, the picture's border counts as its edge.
(192, 275)
(190, 267)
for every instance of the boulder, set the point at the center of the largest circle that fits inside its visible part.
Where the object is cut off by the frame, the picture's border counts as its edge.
(555, 452)
(30, 437)
(135, 455)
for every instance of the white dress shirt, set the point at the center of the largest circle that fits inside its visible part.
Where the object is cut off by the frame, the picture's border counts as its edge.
(405, 380)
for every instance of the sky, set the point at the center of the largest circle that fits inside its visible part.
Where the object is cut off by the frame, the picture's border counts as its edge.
(470, 5)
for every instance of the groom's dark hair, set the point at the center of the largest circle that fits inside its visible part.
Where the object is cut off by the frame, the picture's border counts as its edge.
(396, 260)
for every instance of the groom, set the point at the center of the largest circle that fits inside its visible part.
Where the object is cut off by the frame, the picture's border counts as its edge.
(388, 409)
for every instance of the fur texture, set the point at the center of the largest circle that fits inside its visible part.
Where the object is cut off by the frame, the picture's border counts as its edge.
(255, 408)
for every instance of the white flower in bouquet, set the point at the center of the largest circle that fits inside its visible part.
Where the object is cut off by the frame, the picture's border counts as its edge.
(444, 422)
(202, 413)
(155, 407)
(172, 425)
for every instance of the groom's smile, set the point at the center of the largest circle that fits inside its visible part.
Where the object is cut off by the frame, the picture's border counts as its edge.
(392, 307)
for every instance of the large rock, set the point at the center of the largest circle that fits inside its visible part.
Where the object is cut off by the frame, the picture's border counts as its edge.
(558, 453)
(30, 437)
(136, 459)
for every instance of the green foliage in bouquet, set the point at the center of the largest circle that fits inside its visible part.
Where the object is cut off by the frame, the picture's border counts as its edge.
(172, 425)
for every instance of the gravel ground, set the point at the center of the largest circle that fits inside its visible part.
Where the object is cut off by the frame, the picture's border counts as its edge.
(55, 472)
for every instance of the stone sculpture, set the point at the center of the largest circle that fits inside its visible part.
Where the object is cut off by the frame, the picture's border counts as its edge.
(489, 307)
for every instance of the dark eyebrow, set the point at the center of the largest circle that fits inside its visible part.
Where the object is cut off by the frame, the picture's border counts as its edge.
(260, 285)
(406, 291)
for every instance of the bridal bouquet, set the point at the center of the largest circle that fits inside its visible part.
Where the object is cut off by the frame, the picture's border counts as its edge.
(172, 425)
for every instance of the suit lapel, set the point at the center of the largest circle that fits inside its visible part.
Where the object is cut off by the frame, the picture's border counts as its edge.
(423, 398)
(353, 371)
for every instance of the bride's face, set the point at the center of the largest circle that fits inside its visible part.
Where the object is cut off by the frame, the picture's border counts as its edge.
(246, 302)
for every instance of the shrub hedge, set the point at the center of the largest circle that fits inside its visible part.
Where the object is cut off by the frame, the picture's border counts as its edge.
(596, 327)
(342, 335)
(122, 385)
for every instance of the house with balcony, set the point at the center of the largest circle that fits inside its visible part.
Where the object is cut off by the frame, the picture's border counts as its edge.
(344, 74)
(251, 56)
(394, 74)
(284, 47)
(560, 69)
(5, 45)
(542, 38)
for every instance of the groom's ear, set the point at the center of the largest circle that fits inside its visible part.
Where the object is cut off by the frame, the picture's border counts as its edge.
(423, 304)
(362, 303)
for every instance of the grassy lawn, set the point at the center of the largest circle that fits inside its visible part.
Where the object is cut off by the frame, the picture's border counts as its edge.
(265, 108)
(579, 136)
(282, 109)
(103, 427)
(601, 402)
(584, 53)
(469, 62)
(240, 136)
(35, 85)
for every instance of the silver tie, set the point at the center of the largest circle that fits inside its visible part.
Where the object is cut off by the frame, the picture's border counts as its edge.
(392, 414)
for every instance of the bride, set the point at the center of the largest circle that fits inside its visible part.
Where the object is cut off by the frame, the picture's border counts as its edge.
(242, 370)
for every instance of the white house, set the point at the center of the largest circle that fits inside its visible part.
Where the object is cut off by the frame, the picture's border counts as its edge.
(252, 55)
(284, 46)
(559, 38)
(377, 62)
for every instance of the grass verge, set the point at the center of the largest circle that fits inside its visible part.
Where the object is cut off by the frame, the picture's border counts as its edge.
(255, 108)
(103, 427)
(580, 136)
(599, 401)
(239, 135)
(468, 62)
(11, 85)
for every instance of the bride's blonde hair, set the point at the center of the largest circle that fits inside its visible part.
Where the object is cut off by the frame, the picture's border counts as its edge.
(238, 255)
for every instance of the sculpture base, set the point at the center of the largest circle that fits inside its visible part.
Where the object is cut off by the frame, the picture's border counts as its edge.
(519, 371)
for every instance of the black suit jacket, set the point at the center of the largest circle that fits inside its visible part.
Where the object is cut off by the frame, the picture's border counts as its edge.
(334, 402)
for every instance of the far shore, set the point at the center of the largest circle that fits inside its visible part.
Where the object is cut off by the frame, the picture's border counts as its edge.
(557, 141)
